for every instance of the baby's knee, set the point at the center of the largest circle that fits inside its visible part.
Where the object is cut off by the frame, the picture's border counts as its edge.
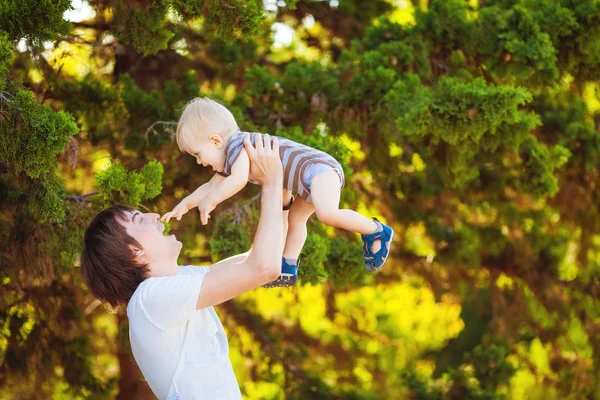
(327, 216)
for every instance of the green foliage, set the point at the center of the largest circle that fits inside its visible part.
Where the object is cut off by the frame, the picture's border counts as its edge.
(485, 368)
(30, 138)
(230, 237)
(35, 21)
(148, 30)
(141, 106)
(94, 104)
(540, 163)
(344, 264)
(30, 143)
(118, 186)
(370, 80)
(476, 314)
(465, 118)
(420, 386)
(565, 112)
(313, 258)
(532, 49)
(469, 126)
(236, 18)
(490, 365)
(143, 27)
(6, 58)
(231, 53)
(78, 371)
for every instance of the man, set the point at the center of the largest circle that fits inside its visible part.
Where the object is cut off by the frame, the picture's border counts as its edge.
(176, 337)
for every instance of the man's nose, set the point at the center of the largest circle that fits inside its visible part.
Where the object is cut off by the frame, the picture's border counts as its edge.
(154, 218)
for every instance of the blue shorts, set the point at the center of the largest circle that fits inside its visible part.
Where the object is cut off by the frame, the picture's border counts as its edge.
(314, 170)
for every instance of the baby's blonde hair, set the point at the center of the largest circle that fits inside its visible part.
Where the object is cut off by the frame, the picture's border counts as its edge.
(202, 117)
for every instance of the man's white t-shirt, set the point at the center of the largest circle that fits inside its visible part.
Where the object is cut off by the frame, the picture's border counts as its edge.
(181, 351)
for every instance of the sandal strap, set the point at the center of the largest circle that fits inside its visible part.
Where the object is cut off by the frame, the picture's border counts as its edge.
(289, 269)
(371, 259)
(370, 238)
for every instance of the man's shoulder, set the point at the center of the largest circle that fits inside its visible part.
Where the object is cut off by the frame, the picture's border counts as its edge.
(155, 283)
(168, 301)
(138, 295)
(193, 269)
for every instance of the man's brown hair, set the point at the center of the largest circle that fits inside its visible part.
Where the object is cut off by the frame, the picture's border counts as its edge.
(108, 264)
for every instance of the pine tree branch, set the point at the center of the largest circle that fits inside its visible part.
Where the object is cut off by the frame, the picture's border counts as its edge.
(168, 128)
(99, 25)
(71, 38)
(5, 99)
(81, 200)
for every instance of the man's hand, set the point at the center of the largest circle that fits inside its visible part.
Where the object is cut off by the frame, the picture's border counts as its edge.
(206, 206)
(179, 210)
(265, 163)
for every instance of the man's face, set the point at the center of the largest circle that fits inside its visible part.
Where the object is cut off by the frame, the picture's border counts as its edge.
(157, 249)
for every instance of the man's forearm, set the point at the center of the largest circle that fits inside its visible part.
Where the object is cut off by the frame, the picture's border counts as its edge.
(267, 247)
(238, 274)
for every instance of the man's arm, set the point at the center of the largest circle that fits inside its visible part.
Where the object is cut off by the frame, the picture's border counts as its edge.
(229, 260)
(262, 264)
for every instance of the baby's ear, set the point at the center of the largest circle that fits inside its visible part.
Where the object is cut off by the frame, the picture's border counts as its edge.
(217, 140)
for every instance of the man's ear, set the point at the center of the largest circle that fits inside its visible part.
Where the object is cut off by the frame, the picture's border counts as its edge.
(216, 139)
(137, 252)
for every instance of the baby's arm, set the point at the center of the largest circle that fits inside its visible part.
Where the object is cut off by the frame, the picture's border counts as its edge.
(234, 182)
(227, 188)
(193, 199)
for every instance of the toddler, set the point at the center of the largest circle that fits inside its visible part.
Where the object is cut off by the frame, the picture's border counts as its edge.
(208, 131)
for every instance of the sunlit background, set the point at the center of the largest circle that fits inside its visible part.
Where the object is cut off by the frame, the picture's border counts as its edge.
(471, 127)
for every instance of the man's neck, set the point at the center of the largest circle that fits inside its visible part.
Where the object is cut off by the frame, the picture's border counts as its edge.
(166, 269)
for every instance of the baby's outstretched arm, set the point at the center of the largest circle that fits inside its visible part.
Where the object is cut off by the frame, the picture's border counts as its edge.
(227, 188)
(193, 199)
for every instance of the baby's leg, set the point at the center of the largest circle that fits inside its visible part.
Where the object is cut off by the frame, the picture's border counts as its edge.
(325, 196)
(297, 217)
(299, 213)
(287, 197)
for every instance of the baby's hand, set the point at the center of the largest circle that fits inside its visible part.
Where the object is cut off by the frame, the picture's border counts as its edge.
(206, 206)
(179, 210)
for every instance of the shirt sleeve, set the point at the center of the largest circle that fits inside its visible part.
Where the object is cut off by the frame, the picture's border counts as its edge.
(170, 301)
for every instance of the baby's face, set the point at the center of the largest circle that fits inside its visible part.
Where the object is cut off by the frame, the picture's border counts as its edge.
(209, 151)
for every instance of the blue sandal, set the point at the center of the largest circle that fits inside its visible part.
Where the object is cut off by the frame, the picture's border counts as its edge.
(374, 261)
(288, 277)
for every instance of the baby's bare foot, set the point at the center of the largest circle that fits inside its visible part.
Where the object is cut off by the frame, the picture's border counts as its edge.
(376, 246)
